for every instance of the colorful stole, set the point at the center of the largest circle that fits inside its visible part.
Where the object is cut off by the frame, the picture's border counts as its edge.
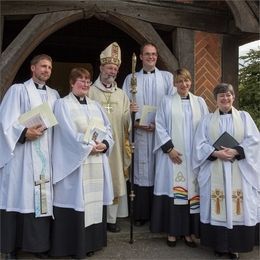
(220, 200)
(43, 190)
(92, 166)
(185, 187)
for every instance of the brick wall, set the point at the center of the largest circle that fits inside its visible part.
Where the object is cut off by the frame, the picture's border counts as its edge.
(207, 65)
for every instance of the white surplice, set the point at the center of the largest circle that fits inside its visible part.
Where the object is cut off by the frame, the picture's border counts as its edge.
(71, 153)
(17, 181)
(151, 88)
(249, 168)
(168, 120)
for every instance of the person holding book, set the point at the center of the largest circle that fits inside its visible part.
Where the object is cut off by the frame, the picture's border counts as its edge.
(25, 165)
(117, 107)
(81, 173)
(176, 197)
(152, 85)
(228, 177)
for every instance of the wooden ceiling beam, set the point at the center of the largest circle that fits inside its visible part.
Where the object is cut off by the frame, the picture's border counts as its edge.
(143, 32)
(175, 15)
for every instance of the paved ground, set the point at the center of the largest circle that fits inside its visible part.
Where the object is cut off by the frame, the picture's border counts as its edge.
(151, 246)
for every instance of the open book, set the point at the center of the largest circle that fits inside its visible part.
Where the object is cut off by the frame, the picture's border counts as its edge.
(148, 115)
(96, 131)
(40, 115)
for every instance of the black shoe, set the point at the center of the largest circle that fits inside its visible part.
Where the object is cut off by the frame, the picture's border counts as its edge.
(171, 243)
(11, 255)
(219, 254)
(189, 243)
(233, 255)
(139, 223)
(43, 255)
(113, 228)
(90, 253)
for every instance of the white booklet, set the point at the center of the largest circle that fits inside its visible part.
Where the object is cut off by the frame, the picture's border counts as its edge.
(40, 115)
(96, 131)
(148, 115)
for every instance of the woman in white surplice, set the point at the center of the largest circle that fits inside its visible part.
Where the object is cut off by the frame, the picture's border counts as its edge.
(176, 200)
(81, 173)
(229, 179)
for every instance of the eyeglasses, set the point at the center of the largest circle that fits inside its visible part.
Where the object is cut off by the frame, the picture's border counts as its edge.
(153, 54)
(87, 82)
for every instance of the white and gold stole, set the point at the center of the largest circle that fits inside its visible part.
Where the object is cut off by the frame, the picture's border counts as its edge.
(184, 187)
(218, 192)
(92, 166)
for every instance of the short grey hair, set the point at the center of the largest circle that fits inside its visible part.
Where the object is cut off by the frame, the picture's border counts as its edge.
(223, 88)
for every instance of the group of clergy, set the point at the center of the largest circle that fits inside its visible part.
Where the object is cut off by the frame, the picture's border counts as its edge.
(62, 188)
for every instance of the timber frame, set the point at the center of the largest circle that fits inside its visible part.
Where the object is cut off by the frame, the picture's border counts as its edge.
(238, 22)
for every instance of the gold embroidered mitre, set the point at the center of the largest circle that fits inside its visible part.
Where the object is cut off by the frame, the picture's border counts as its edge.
(111, 55)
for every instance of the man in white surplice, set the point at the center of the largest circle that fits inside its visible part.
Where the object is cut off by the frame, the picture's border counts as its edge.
(81, 173)
(152, 85)
(25, 161)
(229, 179)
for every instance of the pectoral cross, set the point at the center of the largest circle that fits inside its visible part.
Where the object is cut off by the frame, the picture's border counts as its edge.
(238, 197)
(218, 196)
(108, 106)
(43, 195)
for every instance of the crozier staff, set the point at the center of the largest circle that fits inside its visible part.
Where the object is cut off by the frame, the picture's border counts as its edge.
(132, 195)
(152, 85)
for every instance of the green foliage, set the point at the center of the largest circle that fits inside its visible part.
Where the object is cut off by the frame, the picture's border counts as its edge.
(249, 84)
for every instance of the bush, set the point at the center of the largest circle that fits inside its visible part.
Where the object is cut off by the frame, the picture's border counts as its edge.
(249, 84)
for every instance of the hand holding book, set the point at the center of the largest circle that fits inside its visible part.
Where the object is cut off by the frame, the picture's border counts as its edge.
(96, 131)
(225, 147)
(225, 140)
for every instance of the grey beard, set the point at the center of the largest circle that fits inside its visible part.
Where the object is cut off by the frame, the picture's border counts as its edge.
(110, 79)
(107, 79)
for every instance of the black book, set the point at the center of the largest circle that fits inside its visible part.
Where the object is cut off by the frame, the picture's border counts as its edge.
(225, 140)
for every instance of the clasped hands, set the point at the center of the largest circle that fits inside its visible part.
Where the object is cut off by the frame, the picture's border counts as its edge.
(226, 154)
(98, 147)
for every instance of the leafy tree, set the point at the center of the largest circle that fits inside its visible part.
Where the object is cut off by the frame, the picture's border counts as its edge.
(249, 84)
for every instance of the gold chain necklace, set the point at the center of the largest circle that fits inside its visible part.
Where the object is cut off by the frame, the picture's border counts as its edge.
(107, 104)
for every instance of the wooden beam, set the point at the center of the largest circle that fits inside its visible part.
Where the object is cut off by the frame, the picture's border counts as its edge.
(243, 16)
(230, 62)
(39, 28)
(183, 46)
(175, 14)
(144, 32)
(254, 6)
(1, 31)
